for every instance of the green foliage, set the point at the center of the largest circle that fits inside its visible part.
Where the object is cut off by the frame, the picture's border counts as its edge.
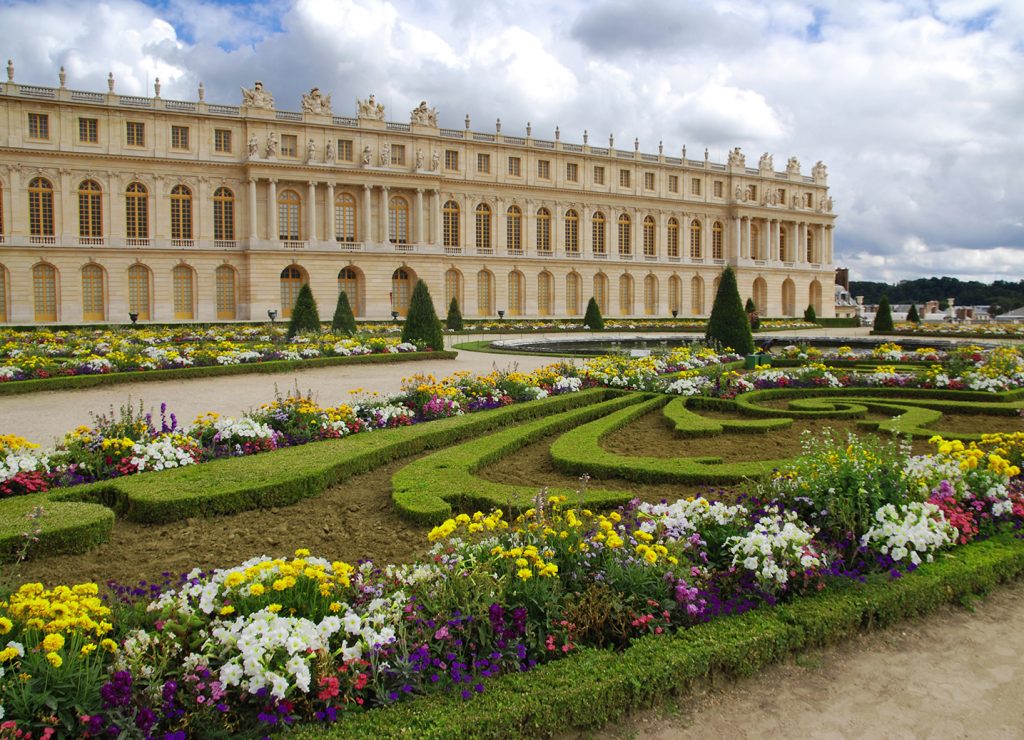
(883, 319)
(592, 318)
(454, 319)
(422, 327)
(305, 317)
(1003, 293)
(686, 423)
(750, 307)
(344, 321)
(728, 325)
(810, 314)
(912, 315)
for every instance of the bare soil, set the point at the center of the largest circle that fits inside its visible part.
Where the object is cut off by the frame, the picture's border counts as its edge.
(964, 423)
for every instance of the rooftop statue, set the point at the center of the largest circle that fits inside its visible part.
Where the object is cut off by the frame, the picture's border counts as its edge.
(371, 109)
(793, 166)
(423, 115)
(819, 171)
(257, 97)
(314, 102)
(737, 159)
(766, 162)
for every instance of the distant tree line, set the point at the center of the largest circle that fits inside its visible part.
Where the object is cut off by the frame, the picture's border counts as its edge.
(1002, 295)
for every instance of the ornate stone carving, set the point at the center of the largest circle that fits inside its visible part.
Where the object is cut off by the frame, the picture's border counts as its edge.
(819, 171)
(311, 151)
(385, 155)
(370, 109)
(423, 115)
(329, 152)
(435, 161)
(271, 145)
(737, 158)
(766, 163)
(419, 159)
(314, 102)
(367, 156)
(254, 146)
(793, 166)
(257, 97)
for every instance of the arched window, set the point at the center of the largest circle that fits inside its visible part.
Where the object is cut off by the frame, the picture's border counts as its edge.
(350, 284)
(675, 295)
(650, 244)
(695, 248)
(483, 227)
(181, 213)
(788, 297)
(92, 293)
(545, 293)
(224, 216)
(543, 230)
(815, 296)
(138, 291)
(484, 293)
(292, 279)
(401, 290)
(572, 294)
(516, 294)
(183, 280)
(650, 295)
(625, 235)
(451, 224)
(136, 211)
(514, 227)
(3, 293)
(784, 255)
(673, 237)
(717, 250)
(756, 248)
(40, 208)
(452, 287)
(626, 295)
(697, 297)
(810, 246)
(572, 232)
(398, 221)
(601, 292)
(90, 210)
(226, 287)
(597, 230)
(289, 214)
(44, 292)
(761, 296)
(345, 218)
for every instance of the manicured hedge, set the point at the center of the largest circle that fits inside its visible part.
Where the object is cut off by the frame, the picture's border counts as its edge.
(62, 527)
(594, 687)
(12, 387)
(686, 423)
(849, 401)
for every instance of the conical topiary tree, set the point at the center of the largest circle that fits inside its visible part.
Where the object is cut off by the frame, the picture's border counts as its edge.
(343, 322)
(810, 314)
(750, 307)
(883, 319)
(454, 319)
(422, 327)
(728, 325)
(912, 315)
(592, 318)
(305, 316)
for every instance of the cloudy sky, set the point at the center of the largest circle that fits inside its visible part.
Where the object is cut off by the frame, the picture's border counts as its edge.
(917, 107)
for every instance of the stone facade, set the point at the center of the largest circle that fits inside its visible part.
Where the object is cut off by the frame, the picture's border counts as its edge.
(191, 211)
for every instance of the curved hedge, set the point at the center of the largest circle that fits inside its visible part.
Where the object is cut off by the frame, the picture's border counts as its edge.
(686, 423)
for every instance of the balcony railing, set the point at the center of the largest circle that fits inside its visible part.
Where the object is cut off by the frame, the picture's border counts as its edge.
(90, 241)
(42, 240)
(183, 243)
(224, 243)
(405, 247)
(137, 242)
(345, 246)
(293, 243)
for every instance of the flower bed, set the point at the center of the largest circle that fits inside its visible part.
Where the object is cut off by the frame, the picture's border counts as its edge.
(980, 330)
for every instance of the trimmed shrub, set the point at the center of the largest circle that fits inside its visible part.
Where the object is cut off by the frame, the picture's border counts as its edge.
(728, 325)
(811, 315)
(305, 316)
(883, 319)
(912, 315)
(343, 321)
(749, 307)
(592, 318)
(422, 327)
(454, 319)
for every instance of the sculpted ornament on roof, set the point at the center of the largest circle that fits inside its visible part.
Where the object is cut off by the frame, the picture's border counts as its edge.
(819, 171)
(793, 166)
(370, 109)
(257, 97)
(737, 158)
(766, 162)
(423, 115)
(314, 102)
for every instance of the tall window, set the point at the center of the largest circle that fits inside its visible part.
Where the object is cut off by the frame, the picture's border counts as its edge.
(543, 230)
(92, 293)
(717, 248)
(292, 280)
(183, 280)
(222, 140)
(135, 133)
(223, 215)
(226, 304)
(624, 178)
(40, 207)
(650, 245)
(401, 288)
(516, 297)
(695, 186)
(398, 221)
(38, 126)
(44, 292)
(483, 227)
(572, 172)
(650, 295)
(545, 291)
(675, 295)
(599, 175)
(572, 294)
(289, 210)
(345, 218)
(514, 222)
(138, 291)
(601, 292)
(784, 255)
(810, 246)
(451, 159)
(515, 166)
(451, 224)
(697, 295)
(597, 224)
(3, 294)
(181, 212)
(348, 282)
(648, 181)
(572, 232)
(673, 237)
(1, 210)
(289, 145)
(483, 163)
(761, 295)
(452, 287)
(345, 150)
(88, 130)
(484, 293)
(625, 235)
(90, 210)
(626, 295)
(136, 211)
(695, 250)
(756, 248)
(544, 169)
(179, 137)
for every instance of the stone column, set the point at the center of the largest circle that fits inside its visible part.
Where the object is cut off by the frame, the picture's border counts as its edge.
(776, 226)
(385, 236)
(827, 257)
(747, 246)
(253, 228)
(705, 238)
(737, 238)
(438, 236)
(636, 236)
(367, 218)
(330, 232)
(801, 248)
(419, 215)
(272, 210)
(311, 212)
(500, 227)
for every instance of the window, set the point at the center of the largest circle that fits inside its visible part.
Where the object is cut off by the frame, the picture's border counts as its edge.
(782, 196)
(695, 250)
(625, 235)
(345, 150)
(88, 130)
(545, 299)
(783, 246)
(514, 221)
(572, 232)
(44, 292)
(544, 169)
(650, 295)
(695, 186)
(624, 178)
(543, 230)
(484, 291)
(92, 293)
(717, 248)
(345, 218)
(222, 140)
(697, 295)
(719, 188)
(135, 133)
(648, 181)
(451, 159)
(752, 192)
(292, 280)
(138, 291)
(515, 166)
(756, 248)
(483, 228)
(626, 295)
(223, 215)
(184, 298)
(673, 183)
(38, 126)
(398, 221)
(675, 295)
(451, 223)
(516, 297)
(673, 237)
(398, 154)
(3, 294)
(181, 213)
(90, 210)
(808, 200)
(452, 287)
(4, 304)
(136, 217)
(289, 145)
(599, 175)
(650, 245)
(572, 294)
(601, 292)
(483, 164)
(40, 207)
(289, 208)
(810, 247)
(572, 172)
(225, 285)
(597, 224)
(349, 284)
(179, 137)
(401, 284)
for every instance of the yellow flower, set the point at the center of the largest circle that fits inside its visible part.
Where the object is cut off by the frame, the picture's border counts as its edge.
(55, 660)
(257, 589)
(302, 553)
(525, 573)
(226, 610)
(53, 643)
(651, 556)
(88, 648)
(5, 625)
(274, 608)
(235, 578)
(335, 606)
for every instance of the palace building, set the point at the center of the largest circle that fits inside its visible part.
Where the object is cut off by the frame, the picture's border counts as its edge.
(174, 210)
